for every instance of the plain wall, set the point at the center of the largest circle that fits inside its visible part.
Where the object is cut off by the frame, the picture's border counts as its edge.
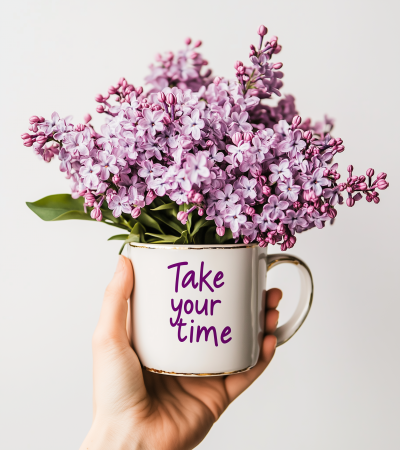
(336, 384)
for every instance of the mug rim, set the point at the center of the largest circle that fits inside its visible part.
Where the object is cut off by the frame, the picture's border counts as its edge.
(192, 246)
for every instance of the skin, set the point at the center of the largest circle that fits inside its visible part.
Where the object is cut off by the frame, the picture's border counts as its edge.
(136, 409)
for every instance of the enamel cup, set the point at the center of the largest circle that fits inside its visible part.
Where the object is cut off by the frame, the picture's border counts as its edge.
(197, 310)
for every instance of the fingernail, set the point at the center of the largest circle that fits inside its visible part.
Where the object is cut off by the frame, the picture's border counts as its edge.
(120, 265)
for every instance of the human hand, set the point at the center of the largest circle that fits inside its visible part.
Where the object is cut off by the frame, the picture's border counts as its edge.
(137, 409)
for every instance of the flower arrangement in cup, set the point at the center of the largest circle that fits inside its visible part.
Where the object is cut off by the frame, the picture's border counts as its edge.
(199, 159)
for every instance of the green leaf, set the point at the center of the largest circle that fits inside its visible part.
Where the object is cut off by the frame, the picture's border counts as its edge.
(183, 239)
(226, 237)
(165, 206)
(136, 235)
(59, 207)
(202, 222)
(164, 237)
(148, 221)
(118, 237)
(173, 223)
(209, 237)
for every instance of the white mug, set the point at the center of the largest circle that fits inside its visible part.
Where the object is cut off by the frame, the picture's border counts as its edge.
(197, 310)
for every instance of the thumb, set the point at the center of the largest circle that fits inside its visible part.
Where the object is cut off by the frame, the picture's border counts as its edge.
(112, 322)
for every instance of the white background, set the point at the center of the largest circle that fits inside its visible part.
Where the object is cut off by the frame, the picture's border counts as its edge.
(336, 384)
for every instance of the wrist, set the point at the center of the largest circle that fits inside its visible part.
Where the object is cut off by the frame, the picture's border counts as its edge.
(105, 435)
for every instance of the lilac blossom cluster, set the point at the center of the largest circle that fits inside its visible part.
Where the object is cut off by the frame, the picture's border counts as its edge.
(209, 145)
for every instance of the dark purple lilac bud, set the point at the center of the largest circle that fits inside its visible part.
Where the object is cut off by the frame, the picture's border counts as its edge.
(381, 176)
(99, 98)
(362, 186)
(368, 198)
(100, 109)
(350, 169)
(188, 41)
(284, 246)
(237, 138)
(116, 179)
(382, 184)
(241, 70)
(246, 240)
(332, 142)
(262, 30)
(376, 200)
(263, 244)
(332, 213)
(277, 66)
(220, 231)
(370, 173)
(171, 99)
(238, 64)
(217, 80)
(156, 107)
(310, 209)
(361, 178)
(79, 127)
(139, 90)
(112, 90)
(340, 149)
(161, 97)
(278, 49)
(41, 140)
(209, 143)
(296, 205)
(252, 47)
(266, 190)
(259, 237)
(28, 143)
(197, 44)
(292, 240)
(200, 212)
(350, 202)
(25, 136)
(207, 73)
(166, 120)
(252, 53)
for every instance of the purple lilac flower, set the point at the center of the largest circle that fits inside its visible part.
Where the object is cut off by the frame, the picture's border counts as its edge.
(316, 182)
(233, 217)
(280, 171)
(193, 124)
(276, 207)
(120, 203)
(289, 190)
(295, 219)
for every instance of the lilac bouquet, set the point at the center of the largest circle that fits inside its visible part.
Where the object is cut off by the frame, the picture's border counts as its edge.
(200, 159)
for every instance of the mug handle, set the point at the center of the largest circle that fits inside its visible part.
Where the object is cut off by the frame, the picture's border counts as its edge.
(286, 331)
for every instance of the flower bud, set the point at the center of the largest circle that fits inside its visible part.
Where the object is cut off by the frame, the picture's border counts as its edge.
(198, 198)
(332, 213)
(238, 64)
(370, 172)
(182, 216)
(136, 212)
(340, 149)
(284, 246)
(296, 121)
(252, 47)
(112, 90)
(100, 109)
(99, 98)
(266, 190)
(308, 135)
(250, 211)
(292, 240)
(33, 119)
(193, 55)
(87, 118)
(197, 44)
(200, 212)
(209, 143)
(241, 70)
(263, 243)
(139, 90)
(237, 138)
(376, 200)
(188, 41)
(246, 240)
(381, 176)
(217, 80)
(28, 143)
(350, 202)
(171, 99)
(161, 97)
(252, 53)
(248, 136)
(277, 66)
(281, 228)
(310, 209)
(166, 119)
(368, 198)
(262, 30)
(25, 136)
(382, 184)
(220, 231)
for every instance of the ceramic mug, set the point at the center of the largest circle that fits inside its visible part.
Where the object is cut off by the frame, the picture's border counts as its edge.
(197, 310)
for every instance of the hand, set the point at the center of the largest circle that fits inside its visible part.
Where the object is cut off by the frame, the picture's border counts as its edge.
(137, 409)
